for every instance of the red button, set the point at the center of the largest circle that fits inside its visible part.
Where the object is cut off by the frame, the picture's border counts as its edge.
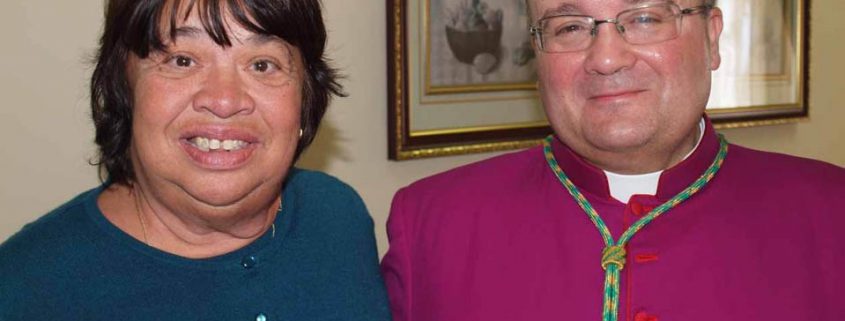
(645, 258)
(636, 208)
(639, 209)
(642, 316)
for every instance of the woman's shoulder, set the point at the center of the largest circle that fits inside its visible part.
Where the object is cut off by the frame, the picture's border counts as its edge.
(299, 179)
(49, 243)
(318, 192)
(318, 206)
(54, 228)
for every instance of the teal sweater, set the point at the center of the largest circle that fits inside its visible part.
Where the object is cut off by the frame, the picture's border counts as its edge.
(322, 264)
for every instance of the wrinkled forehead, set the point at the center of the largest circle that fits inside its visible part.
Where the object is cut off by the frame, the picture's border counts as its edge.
(544, 8)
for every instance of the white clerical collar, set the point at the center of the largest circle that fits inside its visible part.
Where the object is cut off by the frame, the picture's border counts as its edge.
(622, 187)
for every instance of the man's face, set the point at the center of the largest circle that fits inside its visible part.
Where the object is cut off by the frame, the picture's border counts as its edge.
(615, 98)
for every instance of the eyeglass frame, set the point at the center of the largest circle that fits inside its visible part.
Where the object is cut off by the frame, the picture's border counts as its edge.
(537, 32)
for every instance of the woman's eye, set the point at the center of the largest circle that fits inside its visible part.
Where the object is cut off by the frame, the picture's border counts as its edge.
(263, 66)
(181, 61)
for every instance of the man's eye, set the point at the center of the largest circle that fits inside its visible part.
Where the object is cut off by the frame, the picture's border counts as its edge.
(646, 19)
(570, 29)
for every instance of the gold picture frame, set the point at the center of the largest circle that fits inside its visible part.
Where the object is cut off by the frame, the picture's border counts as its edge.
(762, 80)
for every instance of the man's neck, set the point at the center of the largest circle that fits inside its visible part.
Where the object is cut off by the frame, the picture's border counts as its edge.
(623, 186)
(649, 158)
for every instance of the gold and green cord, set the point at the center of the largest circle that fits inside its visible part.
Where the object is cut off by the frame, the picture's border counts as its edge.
(613, 255)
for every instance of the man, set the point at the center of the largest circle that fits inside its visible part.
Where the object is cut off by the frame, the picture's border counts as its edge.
(635, 209)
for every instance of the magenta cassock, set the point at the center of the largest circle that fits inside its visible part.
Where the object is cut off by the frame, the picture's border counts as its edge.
(503, 240)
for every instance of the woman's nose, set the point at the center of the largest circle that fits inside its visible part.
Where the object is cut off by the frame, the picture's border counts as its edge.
(224, 93)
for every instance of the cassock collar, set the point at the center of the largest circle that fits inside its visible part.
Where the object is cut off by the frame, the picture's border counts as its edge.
(591, 179)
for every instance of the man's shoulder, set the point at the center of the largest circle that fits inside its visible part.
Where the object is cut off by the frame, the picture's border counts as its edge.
(784, 163)
(798, 172)
(503, 172)
(452, 201)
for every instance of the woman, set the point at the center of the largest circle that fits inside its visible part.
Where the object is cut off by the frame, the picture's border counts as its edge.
(201, 108)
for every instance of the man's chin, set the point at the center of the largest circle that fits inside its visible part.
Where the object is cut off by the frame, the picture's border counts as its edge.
(617, 140)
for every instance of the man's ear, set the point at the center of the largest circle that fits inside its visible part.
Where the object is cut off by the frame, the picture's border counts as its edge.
(714, 30)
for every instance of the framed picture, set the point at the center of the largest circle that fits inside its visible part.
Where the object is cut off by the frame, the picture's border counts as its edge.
(476, 45)
(462, 79)
(763, 76)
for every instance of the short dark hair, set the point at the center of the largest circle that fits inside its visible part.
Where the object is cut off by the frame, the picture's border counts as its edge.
(135, 26)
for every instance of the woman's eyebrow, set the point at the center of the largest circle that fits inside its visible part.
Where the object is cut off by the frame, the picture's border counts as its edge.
(187, 32)
(262, 39)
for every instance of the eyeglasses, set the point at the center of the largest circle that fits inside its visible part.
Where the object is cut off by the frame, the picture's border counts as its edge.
(647, 24)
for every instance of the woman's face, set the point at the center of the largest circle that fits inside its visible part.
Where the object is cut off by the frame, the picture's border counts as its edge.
(215, 128)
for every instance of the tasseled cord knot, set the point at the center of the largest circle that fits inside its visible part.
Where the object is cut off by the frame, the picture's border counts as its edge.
(613, 254)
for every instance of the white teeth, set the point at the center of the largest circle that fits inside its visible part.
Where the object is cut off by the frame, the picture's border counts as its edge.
(201, 143)
(235, 144)
(206, 144)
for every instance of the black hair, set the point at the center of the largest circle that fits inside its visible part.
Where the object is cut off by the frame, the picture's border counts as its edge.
(135, 27)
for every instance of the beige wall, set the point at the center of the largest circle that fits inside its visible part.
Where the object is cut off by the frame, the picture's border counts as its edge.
(45, 135)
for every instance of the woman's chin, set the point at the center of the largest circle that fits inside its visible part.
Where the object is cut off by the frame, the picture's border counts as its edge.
(224, 194)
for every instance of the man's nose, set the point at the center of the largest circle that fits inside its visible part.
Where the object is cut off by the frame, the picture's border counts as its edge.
(609, 53)
(224, 93)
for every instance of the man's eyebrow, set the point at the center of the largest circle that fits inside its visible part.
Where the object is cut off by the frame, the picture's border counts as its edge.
(569, 8)
(635, 2)
(563, 8)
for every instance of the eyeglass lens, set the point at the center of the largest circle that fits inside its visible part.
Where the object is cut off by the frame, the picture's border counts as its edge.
(643, 25)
